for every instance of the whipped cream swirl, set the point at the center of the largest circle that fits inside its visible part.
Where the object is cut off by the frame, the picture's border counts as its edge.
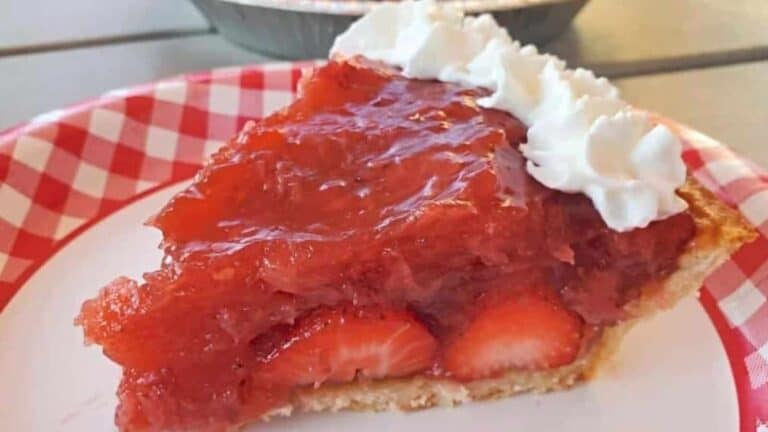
(582, 137)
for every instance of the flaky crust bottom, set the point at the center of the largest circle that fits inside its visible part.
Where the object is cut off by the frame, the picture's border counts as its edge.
(720, 231)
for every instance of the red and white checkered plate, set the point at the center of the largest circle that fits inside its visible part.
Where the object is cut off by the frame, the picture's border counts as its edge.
(75, 185)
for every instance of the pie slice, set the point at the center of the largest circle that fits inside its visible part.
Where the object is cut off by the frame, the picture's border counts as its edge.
(389, 242)
(379, 244)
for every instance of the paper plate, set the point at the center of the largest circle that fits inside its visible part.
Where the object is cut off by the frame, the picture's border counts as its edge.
(76, 185)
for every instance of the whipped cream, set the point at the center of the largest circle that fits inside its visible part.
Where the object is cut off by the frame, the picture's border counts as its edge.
(582, 137)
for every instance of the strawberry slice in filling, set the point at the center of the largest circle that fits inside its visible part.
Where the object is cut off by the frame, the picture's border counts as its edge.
(517, 333)
(339, 345)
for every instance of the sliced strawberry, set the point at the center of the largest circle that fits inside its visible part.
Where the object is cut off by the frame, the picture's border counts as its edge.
(338, 345)
(527, 333)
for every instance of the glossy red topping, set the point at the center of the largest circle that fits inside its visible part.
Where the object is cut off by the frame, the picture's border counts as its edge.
(370, 190)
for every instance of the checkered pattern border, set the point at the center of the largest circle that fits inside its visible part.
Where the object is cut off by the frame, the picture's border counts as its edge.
(739, 288)
(66, 168)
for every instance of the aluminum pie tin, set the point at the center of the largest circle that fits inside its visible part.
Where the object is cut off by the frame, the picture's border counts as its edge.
(304, 29)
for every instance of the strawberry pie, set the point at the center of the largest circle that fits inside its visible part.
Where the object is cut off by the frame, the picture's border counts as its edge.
(404, 235)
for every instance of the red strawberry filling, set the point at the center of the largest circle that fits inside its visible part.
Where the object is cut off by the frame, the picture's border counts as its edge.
(377, 227)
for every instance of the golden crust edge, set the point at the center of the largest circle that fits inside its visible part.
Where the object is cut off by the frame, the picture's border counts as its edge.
(721, 230)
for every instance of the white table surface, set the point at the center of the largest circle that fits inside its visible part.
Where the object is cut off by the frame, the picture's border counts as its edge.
(54, 53)
(629, 37)
(35, 24)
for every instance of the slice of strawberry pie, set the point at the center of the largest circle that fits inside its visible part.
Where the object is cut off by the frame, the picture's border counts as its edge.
(398, 237)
